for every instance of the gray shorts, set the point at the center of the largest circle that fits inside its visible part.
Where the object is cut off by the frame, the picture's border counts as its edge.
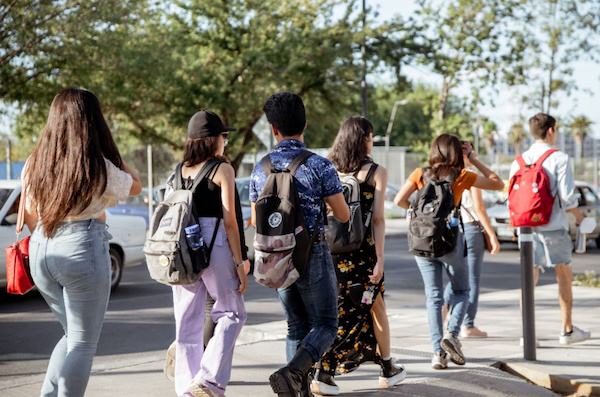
(555, 245)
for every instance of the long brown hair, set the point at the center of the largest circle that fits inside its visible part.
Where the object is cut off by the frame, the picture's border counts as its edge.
(67, 170)
(349, 149)
(445, 158)
(199, 150)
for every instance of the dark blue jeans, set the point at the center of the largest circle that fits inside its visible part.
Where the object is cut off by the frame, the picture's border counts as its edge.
(475, 249)
(310, 305)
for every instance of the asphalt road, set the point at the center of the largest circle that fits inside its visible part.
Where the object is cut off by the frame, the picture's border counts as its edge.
(139, 321)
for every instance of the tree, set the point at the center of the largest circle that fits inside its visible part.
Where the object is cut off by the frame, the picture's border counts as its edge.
(580, 128)
(517, 135)
(558, 33)
(470, 40)
(167, 62)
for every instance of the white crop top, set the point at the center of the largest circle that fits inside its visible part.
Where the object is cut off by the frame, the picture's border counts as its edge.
(118, 185)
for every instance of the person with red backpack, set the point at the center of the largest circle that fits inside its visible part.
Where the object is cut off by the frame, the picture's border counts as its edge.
(543, 179)
(309, 301)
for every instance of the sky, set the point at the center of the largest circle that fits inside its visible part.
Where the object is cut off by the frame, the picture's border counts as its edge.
(505, 111)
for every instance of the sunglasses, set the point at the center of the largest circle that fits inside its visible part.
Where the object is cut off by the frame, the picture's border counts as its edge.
(225, 135)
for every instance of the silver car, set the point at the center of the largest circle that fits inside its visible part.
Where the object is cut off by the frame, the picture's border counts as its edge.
(589, 205)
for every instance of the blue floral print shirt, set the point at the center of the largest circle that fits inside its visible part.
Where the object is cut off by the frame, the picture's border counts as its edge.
(315, 179)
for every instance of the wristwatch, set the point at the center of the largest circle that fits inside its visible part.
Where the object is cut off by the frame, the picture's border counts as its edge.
(239, 264)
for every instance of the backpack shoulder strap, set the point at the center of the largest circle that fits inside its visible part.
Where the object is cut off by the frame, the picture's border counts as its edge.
(299, 160)
(371, 173)
(206, 169)
(178, 178)
(520, 161)
(266, 164)
(544, 156)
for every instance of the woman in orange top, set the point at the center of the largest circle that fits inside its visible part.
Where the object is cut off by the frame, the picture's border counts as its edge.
(446, 162)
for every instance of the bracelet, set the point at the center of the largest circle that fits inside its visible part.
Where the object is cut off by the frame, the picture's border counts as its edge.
(239, 264)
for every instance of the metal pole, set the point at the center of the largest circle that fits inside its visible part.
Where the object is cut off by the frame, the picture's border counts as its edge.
(527, 287)
(363, 50)
(150, 183)
(8, 161)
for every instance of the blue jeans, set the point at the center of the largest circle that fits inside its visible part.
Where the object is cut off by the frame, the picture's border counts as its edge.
(72, 272)
(310, 305)
(431, 272)
(475, 249)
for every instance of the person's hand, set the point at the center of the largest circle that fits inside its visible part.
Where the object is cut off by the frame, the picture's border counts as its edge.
(246, 266)
(241, 272)
(495, 244)
(377, 275)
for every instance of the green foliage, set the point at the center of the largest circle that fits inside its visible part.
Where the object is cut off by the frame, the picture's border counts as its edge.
(589, 279)
(557, 34)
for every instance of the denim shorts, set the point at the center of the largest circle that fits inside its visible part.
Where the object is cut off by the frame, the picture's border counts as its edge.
(554, 245)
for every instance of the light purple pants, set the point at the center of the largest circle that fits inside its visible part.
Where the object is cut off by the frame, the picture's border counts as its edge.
(211, 368)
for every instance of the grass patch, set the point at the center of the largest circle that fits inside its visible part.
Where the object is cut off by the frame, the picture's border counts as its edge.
(589, 279)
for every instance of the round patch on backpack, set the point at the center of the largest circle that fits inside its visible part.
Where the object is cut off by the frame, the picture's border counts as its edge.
(164, 260)
(275, 219)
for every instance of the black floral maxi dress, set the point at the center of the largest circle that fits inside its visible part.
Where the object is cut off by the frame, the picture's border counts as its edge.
(355, 342)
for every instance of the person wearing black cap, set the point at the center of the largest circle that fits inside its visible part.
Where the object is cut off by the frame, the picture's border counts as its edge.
(199, 371)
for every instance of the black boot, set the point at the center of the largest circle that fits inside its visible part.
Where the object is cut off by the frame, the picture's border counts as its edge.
(287, 381)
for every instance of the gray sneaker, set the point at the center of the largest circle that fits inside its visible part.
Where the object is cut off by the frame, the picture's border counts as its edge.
(576, 335)
(439, 361)
(452, 346)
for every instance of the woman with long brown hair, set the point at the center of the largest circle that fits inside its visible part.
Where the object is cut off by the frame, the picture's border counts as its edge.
(199, 371)
(72, 176)
(363, 324)
(446, 162)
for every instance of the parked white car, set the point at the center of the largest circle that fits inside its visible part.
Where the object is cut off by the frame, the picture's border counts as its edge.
(129, 233)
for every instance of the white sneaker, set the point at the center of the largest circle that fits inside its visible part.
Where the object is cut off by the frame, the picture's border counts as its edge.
(576, 335)
(452, 346)
(439, 360)
(391, 373)
(522, 342)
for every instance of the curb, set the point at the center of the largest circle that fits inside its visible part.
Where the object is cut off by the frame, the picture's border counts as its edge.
(556, 383)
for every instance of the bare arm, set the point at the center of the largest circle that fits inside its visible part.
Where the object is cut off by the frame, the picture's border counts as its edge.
(31, 219)
(338, 205)
(225, 178)
(578, 217)
(402, 198)
(482, 215)
(489, 180)
(136, 187)
(380, 179)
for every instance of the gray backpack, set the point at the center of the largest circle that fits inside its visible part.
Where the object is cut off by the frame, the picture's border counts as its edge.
(169, 259)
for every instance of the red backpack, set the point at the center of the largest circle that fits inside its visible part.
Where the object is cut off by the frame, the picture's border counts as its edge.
(530, 200)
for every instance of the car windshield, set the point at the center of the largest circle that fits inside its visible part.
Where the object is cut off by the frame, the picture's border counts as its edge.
(4, 193)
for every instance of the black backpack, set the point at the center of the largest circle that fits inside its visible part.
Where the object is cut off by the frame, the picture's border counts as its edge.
(348, 236)
(282, 243)
(432, 232)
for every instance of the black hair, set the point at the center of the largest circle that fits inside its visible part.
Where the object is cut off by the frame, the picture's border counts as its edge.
(286, 112)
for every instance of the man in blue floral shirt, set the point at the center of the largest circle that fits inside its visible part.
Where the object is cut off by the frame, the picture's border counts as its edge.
(310, 304)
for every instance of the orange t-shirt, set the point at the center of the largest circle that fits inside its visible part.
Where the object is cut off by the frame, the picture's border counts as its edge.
(465, 180)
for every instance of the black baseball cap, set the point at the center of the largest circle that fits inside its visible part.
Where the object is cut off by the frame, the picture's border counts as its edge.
(206, 123)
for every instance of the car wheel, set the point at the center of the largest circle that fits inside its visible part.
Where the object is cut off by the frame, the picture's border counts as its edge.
(116, 268)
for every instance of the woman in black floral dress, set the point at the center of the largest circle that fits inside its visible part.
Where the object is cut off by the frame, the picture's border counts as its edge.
(363, 324)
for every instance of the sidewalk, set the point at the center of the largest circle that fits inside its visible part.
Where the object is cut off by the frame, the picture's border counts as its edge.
(261, 351)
